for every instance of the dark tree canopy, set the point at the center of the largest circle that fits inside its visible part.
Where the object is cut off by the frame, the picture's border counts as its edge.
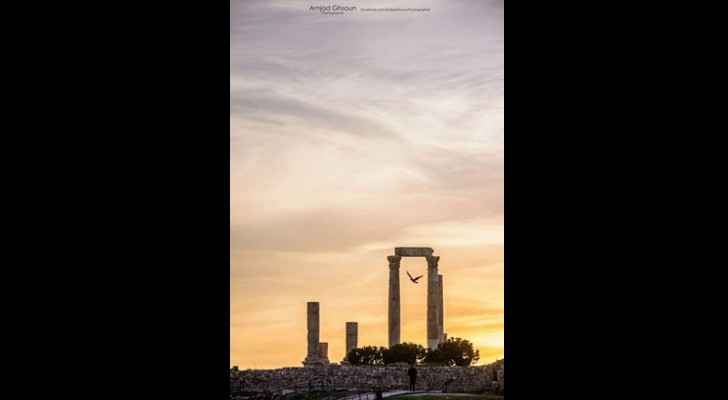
(404, 352)
(455, 351)
(368, 355)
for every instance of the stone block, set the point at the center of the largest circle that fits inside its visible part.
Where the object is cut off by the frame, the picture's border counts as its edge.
(413, 251)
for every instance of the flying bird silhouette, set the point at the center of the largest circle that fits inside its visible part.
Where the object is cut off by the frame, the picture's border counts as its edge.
(413, 279)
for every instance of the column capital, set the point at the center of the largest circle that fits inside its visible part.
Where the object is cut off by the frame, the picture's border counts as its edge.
(433, 260)
(394, 260)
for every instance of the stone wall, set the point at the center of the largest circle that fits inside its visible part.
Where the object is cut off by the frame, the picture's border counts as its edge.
(343, 377)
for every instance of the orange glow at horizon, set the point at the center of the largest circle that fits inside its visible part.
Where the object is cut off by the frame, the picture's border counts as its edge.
(269, 314)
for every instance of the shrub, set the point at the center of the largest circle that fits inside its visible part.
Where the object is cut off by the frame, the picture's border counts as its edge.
(404, 352)
(455, 351)
(368, 355)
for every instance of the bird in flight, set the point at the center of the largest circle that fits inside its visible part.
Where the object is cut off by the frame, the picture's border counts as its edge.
(413, 279)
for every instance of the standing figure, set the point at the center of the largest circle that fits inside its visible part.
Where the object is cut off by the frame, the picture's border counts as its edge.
(412, 372)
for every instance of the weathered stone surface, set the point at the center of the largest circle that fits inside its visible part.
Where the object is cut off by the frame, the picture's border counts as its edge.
(433, 324)
(335, 377)
(352, 336)
(312, 321)
(440, 309)
(312, 358)
(323, 351)
(413, 251)
(393, 303)
(435, 303)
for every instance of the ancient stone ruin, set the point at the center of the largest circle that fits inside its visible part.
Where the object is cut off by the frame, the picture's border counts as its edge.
(332, 377)
(435, 314)
(317, 354)
(327, 376)
(352, 338)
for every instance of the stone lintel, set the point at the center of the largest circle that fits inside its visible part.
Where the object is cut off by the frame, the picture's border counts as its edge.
(413, 251)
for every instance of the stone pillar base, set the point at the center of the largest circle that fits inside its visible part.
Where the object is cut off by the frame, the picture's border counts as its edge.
(315, 362)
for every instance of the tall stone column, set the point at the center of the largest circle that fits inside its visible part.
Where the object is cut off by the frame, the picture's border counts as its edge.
(433, 333)
(312, 358)
(352, 333)
(393, 304)
(440, 309)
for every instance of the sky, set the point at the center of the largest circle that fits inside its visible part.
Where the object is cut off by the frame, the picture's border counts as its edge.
(350, 135)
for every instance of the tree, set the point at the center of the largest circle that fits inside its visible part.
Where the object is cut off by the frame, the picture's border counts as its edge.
(404, 352)
(455, 351)
(368, 355)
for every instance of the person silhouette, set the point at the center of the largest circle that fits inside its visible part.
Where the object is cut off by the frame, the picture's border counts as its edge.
(412, 372)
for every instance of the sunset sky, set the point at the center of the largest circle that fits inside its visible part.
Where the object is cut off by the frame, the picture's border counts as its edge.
(351, 135)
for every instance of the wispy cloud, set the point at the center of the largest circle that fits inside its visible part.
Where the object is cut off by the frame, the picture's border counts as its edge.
(351, 135)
